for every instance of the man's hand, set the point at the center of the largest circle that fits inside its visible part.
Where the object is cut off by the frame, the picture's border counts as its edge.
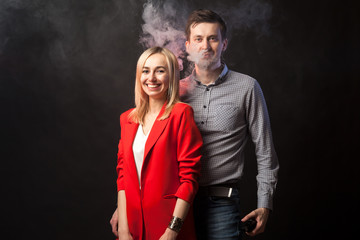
(114, 223)
(261, 216)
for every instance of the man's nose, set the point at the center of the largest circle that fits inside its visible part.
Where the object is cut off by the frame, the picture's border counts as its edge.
(205, 44)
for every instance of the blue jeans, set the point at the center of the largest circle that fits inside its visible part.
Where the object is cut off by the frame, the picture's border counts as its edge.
(217, 217)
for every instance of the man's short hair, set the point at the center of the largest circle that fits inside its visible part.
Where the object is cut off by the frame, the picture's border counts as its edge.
(204, 16)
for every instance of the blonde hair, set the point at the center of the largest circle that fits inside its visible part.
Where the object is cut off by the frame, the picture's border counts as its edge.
(172, 95)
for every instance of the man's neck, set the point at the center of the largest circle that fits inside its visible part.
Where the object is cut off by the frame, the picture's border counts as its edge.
(208, 76)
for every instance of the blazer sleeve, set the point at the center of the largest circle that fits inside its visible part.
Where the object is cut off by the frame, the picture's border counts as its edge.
(119, 168)
(120, 159)
(188, 155)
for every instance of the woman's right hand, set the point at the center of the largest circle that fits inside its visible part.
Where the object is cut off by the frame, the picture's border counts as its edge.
(125, 235)
(122, 223)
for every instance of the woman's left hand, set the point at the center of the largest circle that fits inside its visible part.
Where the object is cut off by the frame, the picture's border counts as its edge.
(169, 235)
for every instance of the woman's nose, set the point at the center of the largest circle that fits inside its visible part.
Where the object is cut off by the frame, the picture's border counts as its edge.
(153, 77)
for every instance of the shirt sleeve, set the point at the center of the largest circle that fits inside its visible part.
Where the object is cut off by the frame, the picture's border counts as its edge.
(189, 154)
(267, 161)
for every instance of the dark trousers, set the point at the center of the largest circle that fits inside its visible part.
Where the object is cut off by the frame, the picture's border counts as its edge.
(217, 218)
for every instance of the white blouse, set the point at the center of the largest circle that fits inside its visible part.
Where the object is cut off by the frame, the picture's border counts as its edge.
(138, 149)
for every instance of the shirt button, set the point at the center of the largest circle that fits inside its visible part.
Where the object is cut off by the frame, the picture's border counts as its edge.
(202, 122)
(204, 106)
(207, 89)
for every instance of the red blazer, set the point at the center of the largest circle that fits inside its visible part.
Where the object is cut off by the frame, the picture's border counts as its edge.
(170, 170)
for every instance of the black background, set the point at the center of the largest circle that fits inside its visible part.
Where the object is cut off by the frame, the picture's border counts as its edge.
(67, 72)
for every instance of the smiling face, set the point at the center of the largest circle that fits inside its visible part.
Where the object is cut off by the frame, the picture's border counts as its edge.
(205, 45)
(155, 77)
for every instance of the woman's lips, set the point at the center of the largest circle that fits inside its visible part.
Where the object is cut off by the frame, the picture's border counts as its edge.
(153, 86)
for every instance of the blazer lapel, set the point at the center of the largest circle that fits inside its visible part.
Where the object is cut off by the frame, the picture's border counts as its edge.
(155, 132)
(131, 129)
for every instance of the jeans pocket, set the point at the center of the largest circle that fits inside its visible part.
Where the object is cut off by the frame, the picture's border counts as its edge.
(221, 200)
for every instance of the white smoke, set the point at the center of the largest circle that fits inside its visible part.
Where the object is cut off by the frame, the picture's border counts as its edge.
(197, 56)
(163, 26)
(6, 9)
(164, 23)
(194, 55)
(247, 15)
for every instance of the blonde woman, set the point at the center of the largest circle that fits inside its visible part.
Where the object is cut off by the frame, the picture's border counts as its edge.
(159, 155)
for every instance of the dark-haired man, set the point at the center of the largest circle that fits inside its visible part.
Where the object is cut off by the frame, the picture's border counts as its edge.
(229, 107)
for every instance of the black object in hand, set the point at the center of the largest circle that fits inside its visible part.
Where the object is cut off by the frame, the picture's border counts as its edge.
(248, 225)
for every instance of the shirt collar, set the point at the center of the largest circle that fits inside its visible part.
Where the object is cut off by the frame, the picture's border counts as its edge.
(219, 80)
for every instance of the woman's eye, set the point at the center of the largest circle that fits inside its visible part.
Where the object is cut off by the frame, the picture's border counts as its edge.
(145, 71)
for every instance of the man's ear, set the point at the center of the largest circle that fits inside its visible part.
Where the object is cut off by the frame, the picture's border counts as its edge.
(187, 43)
(225, 43)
